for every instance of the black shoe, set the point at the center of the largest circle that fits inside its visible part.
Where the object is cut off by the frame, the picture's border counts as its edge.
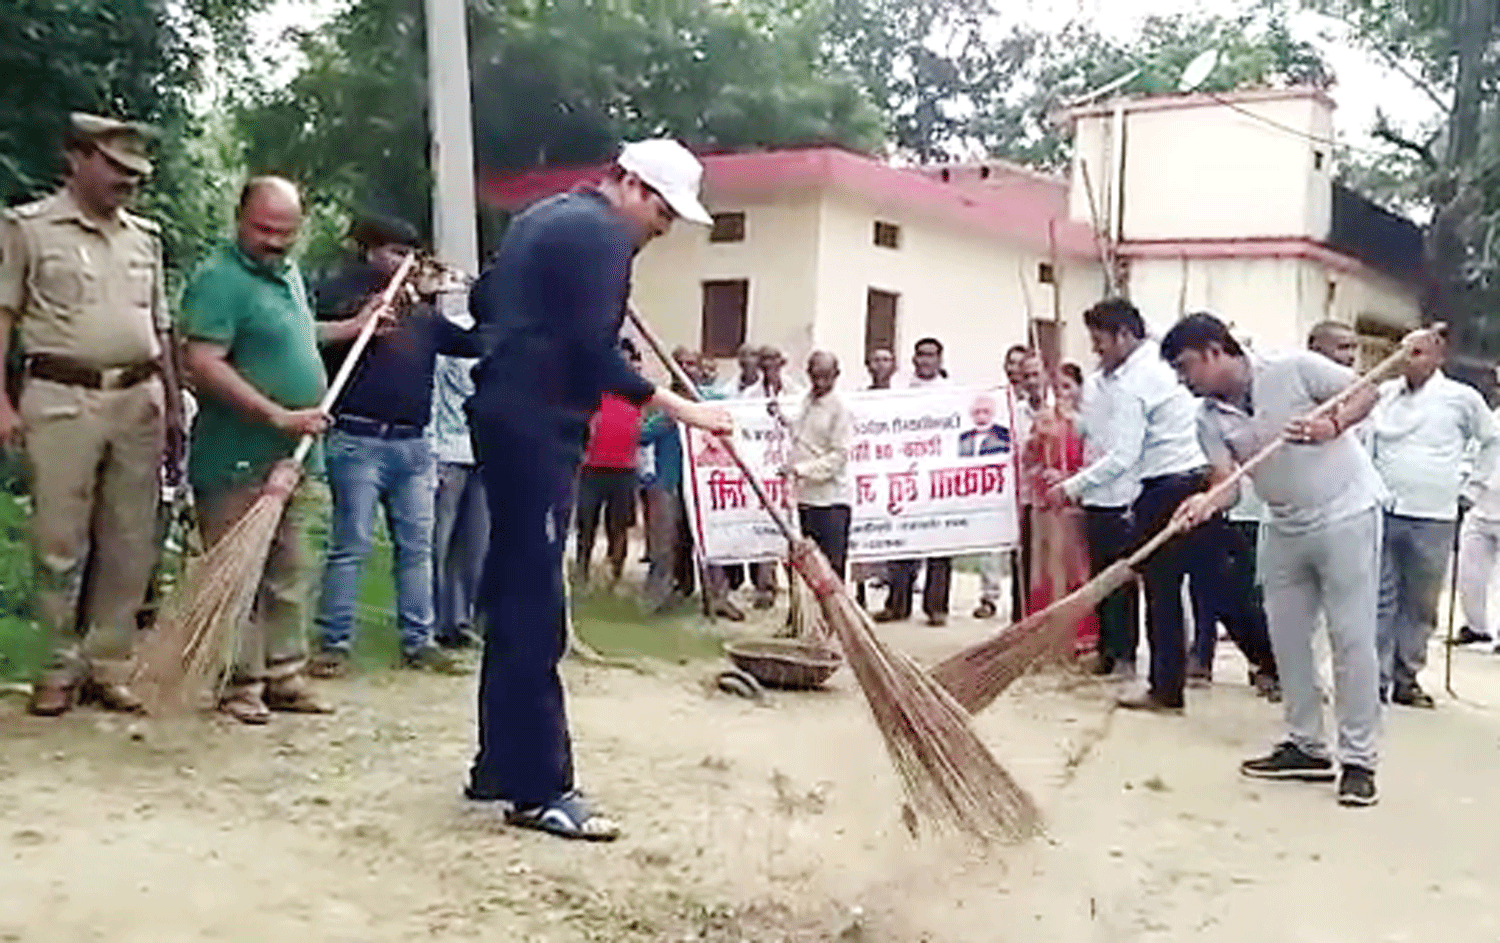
(985, 610)
(1412, 695)
(886, 615)
(1467, 636)
(1357, 787)
(1289, 761)
(432, 658)
(1148, 702)
(462, 639)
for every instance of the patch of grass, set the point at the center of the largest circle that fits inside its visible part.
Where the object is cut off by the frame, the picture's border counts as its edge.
(615, 625)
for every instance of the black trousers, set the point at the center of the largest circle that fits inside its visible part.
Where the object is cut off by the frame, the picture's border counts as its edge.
(525, 753)
(1108, 533)
(1163, 574)
(1020, 568)
(608, 493)
(828, 527)
(902, 580)
(1225, 590)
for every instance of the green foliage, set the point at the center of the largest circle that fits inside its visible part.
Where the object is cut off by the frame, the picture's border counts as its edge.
(554, 83)
(1256, 51)
(1448, 167)
(138, 59)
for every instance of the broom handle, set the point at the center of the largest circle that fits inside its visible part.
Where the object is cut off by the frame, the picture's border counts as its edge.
(686, 382)
(1371, 377)
(361, 341)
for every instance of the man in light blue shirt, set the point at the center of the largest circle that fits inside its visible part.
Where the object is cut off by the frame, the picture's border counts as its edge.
(1422, 429)
(1106, 520)
(1153, 440)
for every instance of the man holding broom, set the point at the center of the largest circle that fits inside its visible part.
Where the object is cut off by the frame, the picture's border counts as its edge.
(1321, 547)
(252, 351)
(550, 310)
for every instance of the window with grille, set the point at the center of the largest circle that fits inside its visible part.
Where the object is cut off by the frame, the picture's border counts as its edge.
(880, 320)
(887, 235)
(725, 308)
(727, 227)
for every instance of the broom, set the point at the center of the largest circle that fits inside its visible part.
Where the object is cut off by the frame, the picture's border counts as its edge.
(196, 629)
(976, 675)
(949, 776)
(804, 615)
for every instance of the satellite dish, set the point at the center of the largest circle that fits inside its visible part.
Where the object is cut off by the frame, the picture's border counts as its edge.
(1198, 70)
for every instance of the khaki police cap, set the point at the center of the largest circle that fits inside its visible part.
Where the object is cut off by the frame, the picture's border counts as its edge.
(125, 142)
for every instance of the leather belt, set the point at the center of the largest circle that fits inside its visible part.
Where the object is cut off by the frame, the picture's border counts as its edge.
(374, 428)
(68, 372)
(1195, 476)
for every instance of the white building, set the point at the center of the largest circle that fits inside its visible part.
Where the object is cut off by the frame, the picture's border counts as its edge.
(1224, 203)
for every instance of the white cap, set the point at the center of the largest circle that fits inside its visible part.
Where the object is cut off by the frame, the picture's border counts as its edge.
(671, 170)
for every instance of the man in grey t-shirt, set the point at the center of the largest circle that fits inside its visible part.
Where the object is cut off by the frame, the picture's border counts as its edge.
(1321, 542)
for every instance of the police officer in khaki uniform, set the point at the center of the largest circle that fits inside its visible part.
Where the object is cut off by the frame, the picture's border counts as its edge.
(99, 407)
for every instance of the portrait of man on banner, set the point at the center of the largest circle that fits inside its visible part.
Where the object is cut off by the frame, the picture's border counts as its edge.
(985, 438)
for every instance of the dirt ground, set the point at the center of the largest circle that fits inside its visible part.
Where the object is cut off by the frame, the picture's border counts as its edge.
(775, 822)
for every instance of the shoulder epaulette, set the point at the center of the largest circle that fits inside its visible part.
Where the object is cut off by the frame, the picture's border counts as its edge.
(142, 223)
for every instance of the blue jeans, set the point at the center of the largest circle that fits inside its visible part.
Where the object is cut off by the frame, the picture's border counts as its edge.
(399, 474)
(460, 537)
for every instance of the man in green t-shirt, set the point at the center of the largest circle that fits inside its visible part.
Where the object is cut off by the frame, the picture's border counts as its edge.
(252, 351)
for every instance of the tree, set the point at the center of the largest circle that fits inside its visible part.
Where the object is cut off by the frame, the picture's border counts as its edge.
(1255, 51)
(554, 83)
(1450, 49)
(141, 59)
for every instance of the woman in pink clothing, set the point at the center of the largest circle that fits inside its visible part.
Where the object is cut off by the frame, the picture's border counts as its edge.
(1054, 451)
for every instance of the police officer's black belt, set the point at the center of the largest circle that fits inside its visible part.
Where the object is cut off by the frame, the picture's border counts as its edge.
(361, 425)
(68, 372)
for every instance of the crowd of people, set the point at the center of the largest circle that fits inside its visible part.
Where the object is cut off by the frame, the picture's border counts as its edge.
(532, 419)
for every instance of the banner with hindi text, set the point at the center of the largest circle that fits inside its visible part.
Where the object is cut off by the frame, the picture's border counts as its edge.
(932, 472)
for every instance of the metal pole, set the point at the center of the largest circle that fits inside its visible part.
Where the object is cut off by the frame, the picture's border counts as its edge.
(455, 235)
(1452, 601)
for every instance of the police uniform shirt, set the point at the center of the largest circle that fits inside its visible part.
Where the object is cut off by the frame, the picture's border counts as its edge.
(80, 288)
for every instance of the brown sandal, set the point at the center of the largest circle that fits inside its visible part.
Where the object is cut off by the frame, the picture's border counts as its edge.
(247, 708)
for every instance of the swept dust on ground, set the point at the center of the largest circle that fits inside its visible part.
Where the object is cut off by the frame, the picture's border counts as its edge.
(744, 823)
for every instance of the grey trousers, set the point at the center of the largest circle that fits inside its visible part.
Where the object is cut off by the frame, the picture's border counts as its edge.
(1413, 561)
(1334, 569)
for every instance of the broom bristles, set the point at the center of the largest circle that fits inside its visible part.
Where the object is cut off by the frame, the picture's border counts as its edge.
(949, 775)
(976, 675)
(193, 643)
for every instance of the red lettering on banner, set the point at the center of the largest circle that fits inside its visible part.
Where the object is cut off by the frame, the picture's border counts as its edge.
(710, 451)
(865, 489)
(885, 451)
(967, 482)
(901, 488)
(725, 490)
(775, 490)
(860, 451)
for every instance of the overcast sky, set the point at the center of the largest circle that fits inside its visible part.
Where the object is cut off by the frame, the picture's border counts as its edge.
(1363, 82)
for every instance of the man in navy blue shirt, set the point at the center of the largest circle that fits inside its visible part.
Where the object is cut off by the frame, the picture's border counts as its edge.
(377, 452)
(549, 309)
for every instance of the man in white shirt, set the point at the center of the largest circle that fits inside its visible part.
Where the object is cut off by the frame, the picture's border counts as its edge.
(1153, 439)
(1420, 431)
(1320, 537)
(927, 370)
(773, 384)
(1478, 552)
(1106, 522)
(1028, 383)
(820, 461)
(743, 385)
(1336, 341)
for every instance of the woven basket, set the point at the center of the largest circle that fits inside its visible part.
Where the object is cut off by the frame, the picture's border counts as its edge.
(785, 663)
